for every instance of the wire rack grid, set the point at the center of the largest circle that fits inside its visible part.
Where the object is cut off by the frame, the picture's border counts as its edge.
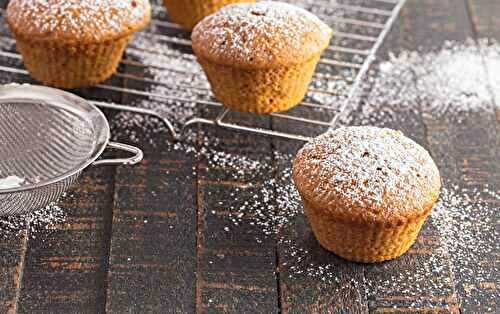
(160, 69)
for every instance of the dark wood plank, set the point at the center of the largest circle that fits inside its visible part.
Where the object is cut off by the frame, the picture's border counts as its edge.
(65, 270)
(13, 248)
(441, 136)
(477, 157)
(484, 15)
(311, 279)
(236, 263)
(477, 161)
(152, 263)
(428, 24)
(153, 244)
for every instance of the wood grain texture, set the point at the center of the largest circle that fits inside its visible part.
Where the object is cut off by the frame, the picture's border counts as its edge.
(13, 248)
(65, 269)
(12, 260)
(477, 156)
(153, 253)
(152, 261)
(236, 263)
(485, 17)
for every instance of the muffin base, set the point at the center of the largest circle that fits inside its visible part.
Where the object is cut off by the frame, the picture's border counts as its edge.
(260, 90)
(188, 13)
(71, 65)
(364, 244)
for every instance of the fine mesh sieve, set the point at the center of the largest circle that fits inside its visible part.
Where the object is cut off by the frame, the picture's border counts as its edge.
(47, 138)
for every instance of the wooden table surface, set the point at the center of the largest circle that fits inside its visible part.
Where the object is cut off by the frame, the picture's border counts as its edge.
(124, 249)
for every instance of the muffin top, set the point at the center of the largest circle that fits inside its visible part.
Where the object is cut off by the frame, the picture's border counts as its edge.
(260, 35)
(367, 174)
(87, 21)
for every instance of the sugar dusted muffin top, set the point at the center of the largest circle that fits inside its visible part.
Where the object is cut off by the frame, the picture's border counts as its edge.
(77, 20)
(260, 35)
(367, 174)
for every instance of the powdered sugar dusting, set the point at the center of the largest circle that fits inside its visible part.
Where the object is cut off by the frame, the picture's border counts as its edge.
(11, 182)
(272, 206)
(450, 82)
(77, 19)
(267, 30)
(35, 222)
(368, 167)
(181, 79)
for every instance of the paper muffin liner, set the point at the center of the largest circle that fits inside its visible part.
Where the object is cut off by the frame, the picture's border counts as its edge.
(260, 90)
(71, 65)
(188, 13)
(368, 243)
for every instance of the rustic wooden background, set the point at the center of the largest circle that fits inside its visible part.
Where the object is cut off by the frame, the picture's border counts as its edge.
(83, 265)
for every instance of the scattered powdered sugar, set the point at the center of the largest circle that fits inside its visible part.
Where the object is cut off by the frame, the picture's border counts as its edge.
(177, 79)
(270, 207)
(11, 182)
(458, 233)
(261, 32)
(242, 167)
(465, 220)
(450, 82)
(35, 222)
(77, 19)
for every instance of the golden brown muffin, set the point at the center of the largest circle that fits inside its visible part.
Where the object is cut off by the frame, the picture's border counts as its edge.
(74, 43)
(366, 191)
(260, 57)
(188, 13)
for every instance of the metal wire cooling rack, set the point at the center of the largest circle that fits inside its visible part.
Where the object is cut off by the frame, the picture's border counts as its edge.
(159, 68)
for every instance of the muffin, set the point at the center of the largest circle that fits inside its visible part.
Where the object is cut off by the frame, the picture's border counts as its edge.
(366, 191)
(74, 43)
(188, 13)
(260, 57)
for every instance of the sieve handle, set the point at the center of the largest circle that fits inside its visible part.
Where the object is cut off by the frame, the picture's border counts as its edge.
(137, 158)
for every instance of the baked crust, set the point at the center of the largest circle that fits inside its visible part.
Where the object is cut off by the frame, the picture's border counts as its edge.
(260, 35)
(367, 175)
(77, 21)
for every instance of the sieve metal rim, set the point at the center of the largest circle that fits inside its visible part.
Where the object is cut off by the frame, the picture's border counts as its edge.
(55, 97)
